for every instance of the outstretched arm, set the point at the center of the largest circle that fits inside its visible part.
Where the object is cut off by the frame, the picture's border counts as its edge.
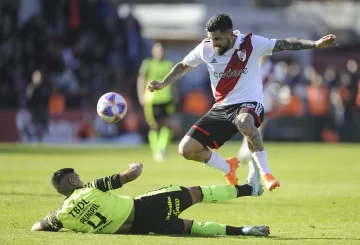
(299, 44)
(134, 171)
(117, 180)
(293, 44)
(50, 223)
(179, 70)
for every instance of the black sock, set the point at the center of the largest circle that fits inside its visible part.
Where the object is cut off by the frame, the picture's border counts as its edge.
(244, 190)
(234, 231)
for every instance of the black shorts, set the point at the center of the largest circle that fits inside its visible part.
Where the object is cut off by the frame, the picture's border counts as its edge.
(157, 211)
(158, 112)
(218, 125)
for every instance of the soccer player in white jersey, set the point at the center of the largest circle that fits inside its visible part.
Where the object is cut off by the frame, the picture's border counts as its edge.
(232, 59)
(270, 74)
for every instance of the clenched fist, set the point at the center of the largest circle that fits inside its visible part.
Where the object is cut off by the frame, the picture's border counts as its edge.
(155, 85)
(137, 167)
(326, 41)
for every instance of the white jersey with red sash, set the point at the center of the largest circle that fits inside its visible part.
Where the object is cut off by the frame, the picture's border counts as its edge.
(235, 76)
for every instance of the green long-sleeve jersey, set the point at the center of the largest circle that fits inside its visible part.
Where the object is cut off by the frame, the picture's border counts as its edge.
(92, 209)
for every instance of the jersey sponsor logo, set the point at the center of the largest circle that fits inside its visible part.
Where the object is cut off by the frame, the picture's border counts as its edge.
(213, 61)
(176, 212)
(170, 208)
(230, 73)
(242, 55)
(79, 207)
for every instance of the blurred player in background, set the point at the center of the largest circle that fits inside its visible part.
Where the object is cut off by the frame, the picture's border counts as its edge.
(24, 124)
(269, 75)
(37, 96)
(158, 107)
(91, 208)
(232, 59)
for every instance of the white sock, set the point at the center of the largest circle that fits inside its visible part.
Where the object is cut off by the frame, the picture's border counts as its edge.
(216, 161)
(261, 159)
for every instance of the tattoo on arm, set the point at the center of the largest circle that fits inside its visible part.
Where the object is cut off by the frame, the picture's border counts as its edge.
(179, 70)
(293, 44)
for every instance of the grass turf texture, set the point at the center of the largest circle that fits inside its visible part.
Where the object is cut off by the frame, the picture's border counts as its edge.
(317, 203)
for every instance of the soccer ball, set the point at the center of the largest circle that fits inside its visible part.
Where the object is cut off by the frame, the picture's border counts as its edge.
(111, 107)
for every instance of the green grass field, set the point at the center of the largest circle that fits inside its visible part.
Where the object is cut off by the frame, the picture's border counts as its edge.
(317, 203)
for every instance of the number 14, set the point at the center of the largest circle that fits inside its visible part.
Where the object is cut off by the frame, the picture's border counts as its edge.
(102, 221)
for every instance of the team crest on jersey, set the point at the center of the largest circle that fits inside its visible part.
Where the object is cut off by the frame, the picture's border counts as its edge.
(242, 54)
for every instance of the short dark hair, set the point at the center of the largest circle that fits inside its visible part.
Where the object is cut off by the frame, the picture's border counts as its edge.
(220, 22)
(58, 175)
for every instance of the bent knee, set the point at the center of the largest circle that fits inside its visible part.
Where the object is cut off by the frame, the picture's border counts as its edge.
(189, 148)
(245, 122)
(195, 193)
(245, 118)
(186, 151)
(187, 226)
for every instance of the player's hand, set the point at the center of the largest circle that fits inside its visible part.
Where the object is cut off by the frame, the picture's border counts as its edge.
(136, 166)
(155, 85)
(326, 41)
(133, 172)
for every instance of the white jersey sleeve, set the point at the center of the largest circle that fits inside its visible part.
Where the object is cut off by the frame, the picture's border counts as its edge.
(263, 45)
(195, 57)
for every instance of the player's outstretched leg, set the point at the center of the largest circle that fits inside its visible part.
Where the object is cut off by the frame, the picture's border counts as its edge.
(197, 228)
(220, 193)
(192, 149)
(246, 125)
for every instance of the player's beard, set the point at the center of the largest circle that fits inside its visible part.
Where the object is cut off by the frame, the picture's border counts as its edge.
(222, 50)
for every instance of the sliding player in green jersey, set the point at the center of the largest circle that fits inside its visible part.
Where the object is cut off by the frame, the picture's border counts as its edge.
(91, 208)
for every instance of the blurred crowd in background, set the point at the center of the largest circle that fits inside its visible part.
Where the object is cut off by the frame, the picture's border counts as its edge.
(61, 55)
(56, 56)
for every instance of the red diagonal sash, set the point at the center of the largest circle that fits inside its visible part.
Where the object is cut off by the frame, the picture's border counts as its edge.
(234, 69)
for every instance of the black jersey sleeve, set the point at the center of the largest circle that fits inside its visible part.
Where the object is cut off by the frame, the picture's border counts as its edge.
(51, 222)
(106, 183)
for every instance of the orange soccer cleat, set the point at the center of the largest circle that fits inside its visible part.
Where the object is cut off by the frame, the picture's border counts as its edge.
(231, 176)
(270, 182)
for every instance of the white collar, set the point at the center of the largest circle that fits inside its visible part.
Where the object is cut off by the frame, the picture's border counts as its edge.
(236, 43)
(238, 39)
